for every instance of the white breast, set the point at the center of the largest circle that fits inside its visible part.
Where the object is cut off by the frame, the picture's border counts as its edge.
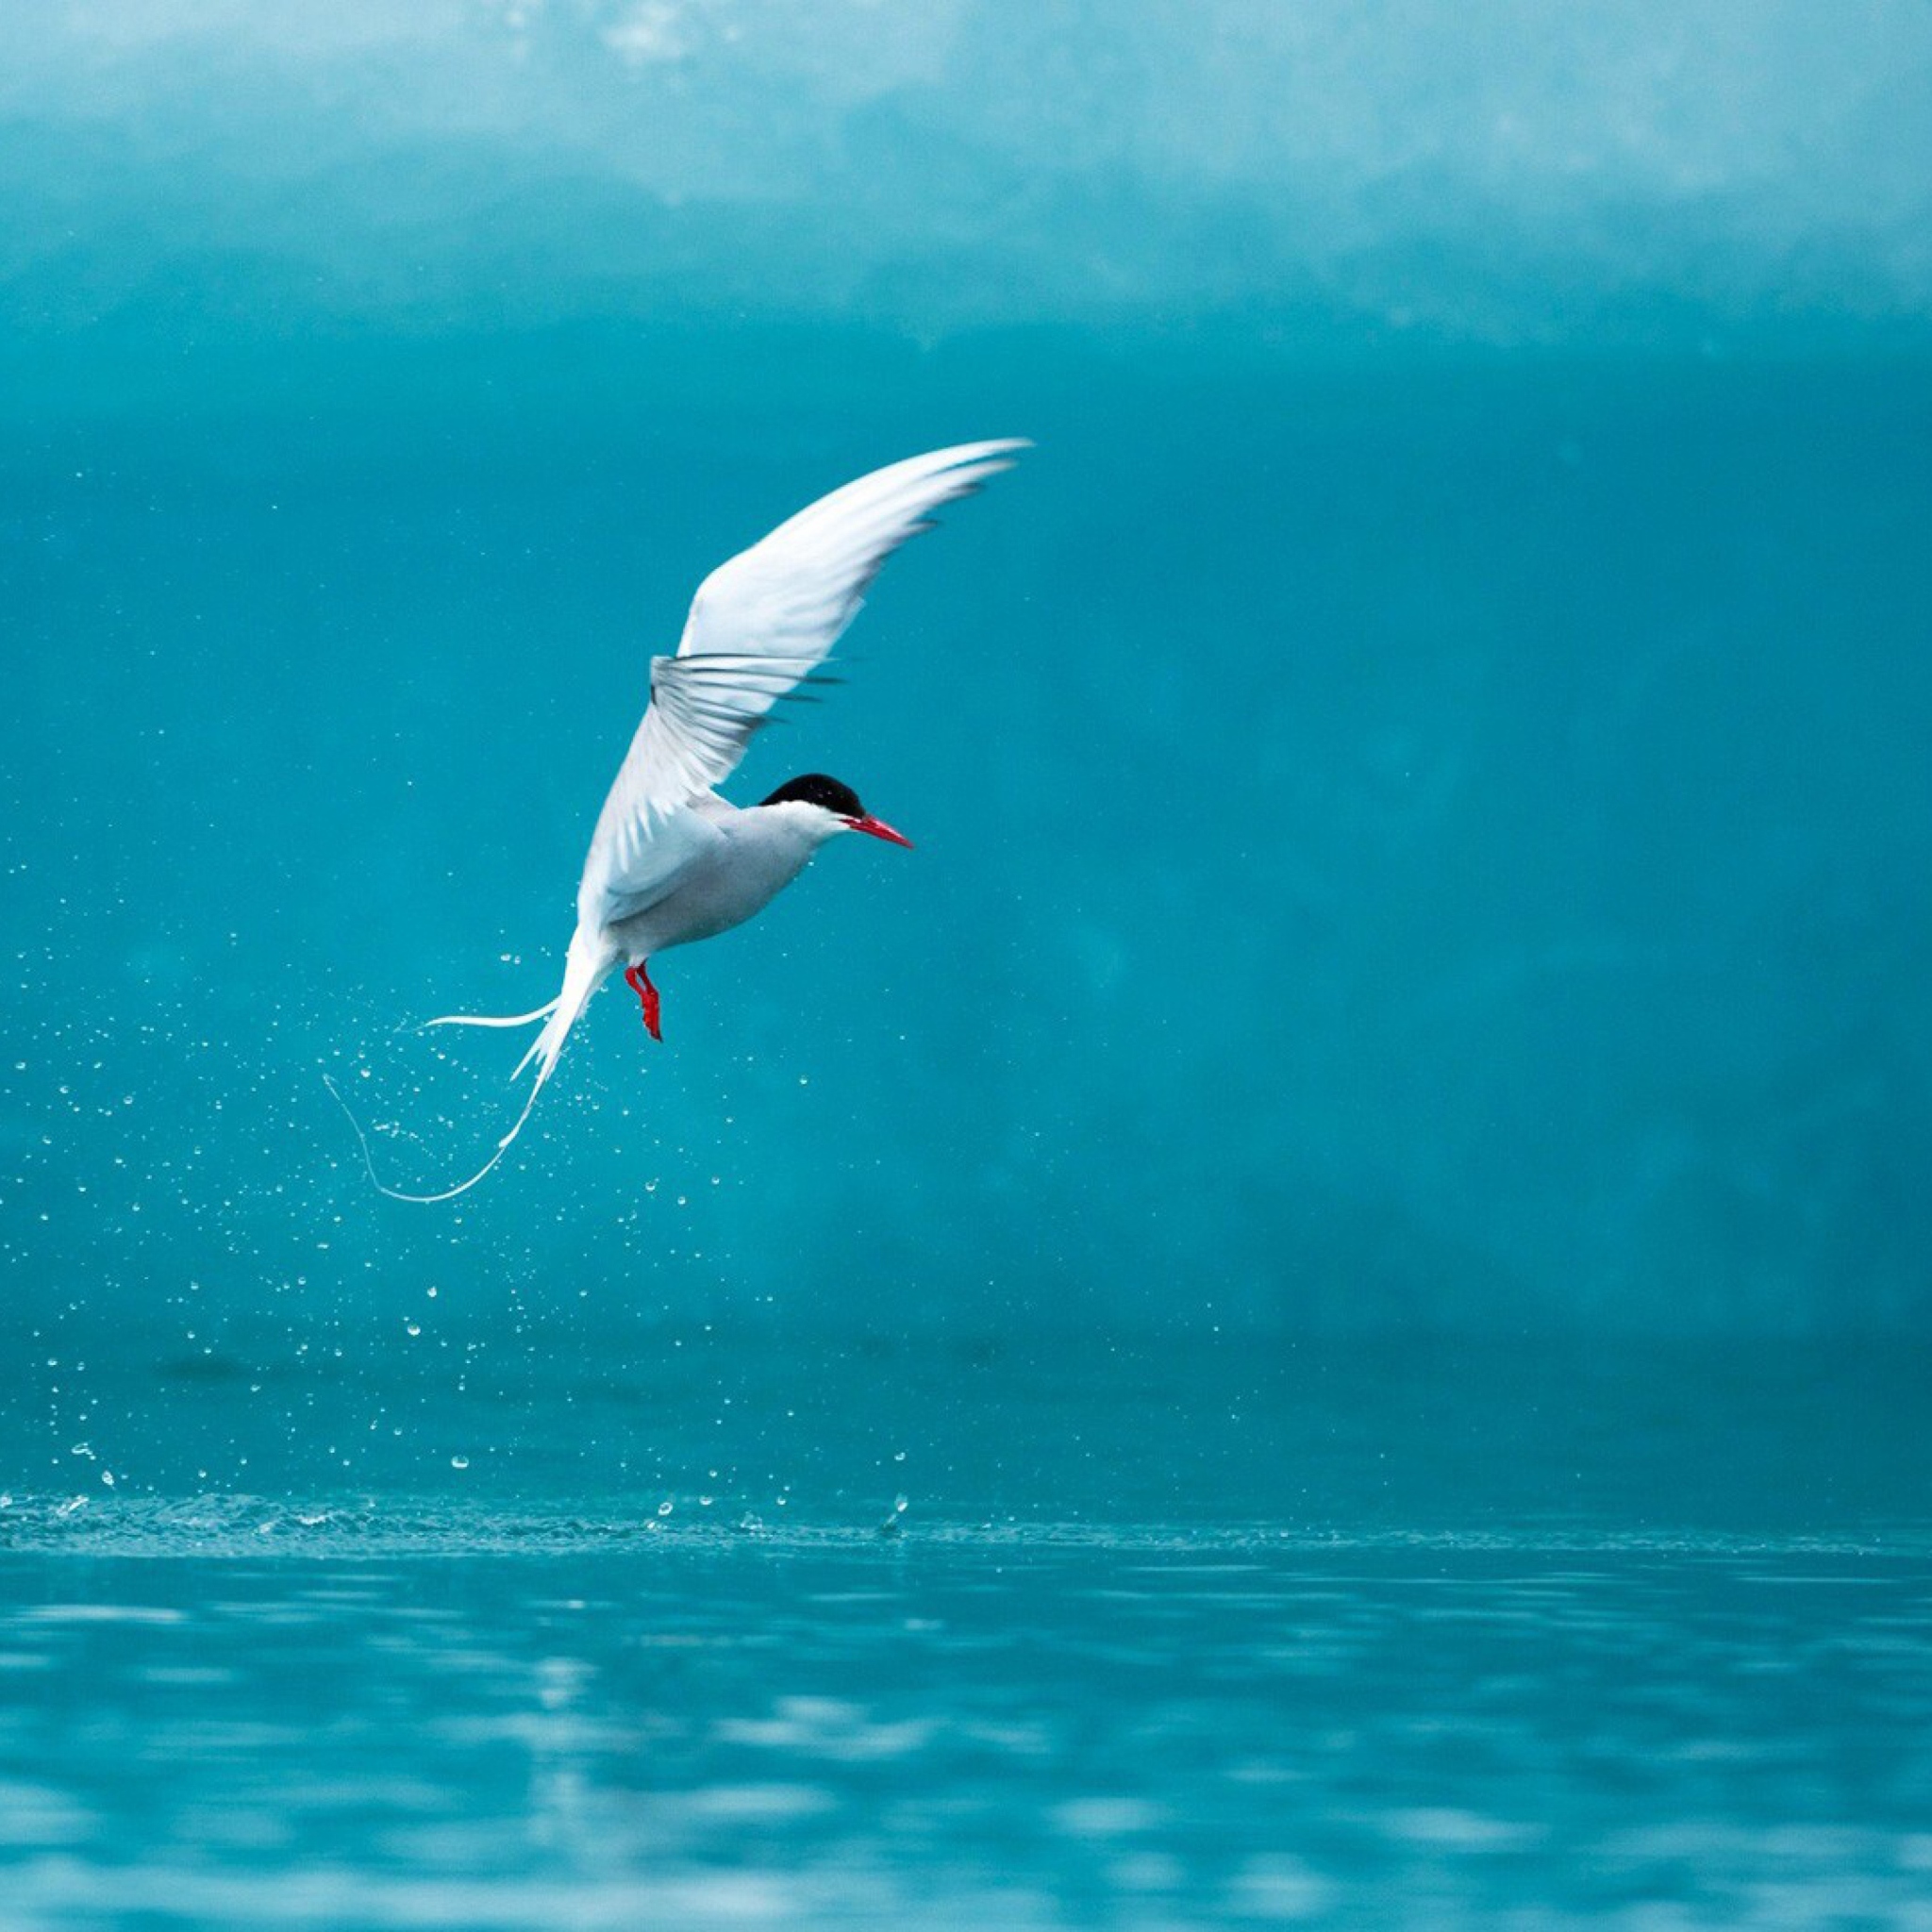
(762, 851)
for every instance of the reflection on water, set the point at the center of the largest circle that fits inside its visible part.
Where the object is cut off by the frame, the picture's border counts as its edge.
(1437, 1636)
(354, 1725)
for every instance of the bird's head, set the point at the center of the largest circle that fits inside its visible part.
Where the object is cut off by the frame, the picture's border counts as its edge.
(834, 807)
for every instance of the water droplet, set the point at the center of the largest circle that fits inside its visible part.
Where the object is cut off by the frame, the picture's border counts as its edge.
(413, 1327)
(664, 1507)
(459, 1462)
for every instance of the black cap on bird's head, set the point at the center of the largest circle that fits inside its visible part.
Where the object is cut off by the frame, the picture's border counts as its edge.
(833, 795)
(816, 789)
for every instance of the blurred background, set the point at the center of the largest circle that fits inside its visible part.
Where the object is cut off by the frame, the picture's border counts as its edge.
(1420, 779)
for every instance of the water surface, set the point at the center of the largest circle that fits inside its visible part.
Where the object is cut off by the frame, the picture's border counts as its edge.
(1511, 1661)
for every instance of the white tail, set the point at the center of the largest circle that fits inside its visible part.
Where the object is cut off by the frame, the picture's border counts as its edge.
(535, 1013)
(585, 969)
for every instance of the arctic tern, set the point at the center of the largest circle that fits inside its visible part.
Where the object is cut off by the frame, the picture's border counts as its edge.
(671, 860)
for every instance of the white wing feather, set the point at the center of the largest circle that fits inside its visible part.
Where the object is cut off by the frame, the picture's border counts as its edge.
(759, 626)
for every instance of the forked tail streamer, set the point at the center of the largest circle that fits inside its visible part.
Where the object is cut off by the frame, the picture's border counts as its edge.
(584, 972)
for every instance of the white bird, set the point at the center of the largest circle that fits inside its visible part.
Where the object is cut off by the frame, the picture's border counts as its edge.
(671, 861)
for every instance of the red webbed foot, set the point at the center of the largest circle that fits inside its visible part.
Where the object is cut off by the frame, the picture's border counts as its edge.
(639, 981)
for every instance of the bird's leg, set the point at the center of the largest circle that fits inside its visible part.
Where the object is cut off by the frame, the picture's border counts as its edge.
(639, 979)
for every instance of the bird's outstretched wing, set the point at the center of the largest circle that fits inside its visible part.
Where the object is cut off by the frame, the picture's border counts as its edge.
(759, 626)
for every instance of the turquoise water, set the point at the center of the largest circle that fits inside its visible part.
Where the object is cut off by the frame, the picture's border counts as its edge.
(973, 1731)
(1345, 1636)
(1420, 841)
(958, 1633)
(1316, 1310)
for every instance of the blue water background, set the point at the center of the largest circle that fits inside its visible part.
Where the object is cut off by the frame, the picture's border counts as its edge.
(1428, 841)
(1317, 1308)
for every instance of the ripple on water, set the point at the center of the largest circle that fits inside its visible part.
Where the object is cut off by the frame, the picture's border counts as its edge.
(475, 1715)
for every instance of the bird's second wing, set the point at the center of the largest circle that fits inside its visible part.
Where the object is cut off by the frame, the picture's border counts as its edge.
(759, 626)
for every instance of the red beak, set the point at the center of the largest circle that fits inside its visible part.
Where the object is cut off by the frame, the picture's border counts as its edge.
(877, 828)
